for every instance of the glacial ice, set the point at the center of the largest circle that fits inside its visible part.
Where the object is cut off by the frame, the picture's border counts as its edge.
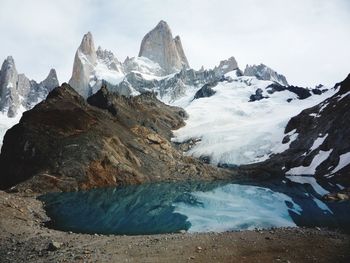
(234, 130)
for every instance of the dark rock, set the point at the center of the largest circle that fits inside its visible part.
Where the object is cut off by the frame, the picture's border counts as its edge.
(206, 90)
(103, 100)
(286, 139)
(316, 91)
(302, 93)
(257, 96)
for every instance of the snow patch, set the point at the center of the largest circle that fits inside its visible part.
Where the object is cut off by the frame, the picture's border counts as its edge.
(344, 160)
(318, 142)
(311, 169)
(6, 122)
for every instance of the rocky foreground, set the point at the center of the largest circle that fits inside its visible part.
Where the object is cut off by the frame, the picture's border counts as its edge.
(24, 238)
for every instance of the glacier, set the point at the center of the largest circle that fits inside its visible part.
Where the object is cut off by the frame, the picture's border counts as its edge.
(234, 130)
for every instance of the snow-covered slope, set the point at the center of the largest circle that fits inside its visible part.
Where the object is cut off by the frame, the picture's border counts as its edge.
(234, 130)
(7, 122)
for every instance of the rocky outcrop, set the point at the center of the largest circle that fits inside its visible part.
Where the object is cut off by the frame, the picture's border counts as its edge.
(257, 96)
(226, 66)
(64, 143)
(321, 146)
(17, 90)
(302, 93)
(206, 91)
(263, 72)
(160, 46)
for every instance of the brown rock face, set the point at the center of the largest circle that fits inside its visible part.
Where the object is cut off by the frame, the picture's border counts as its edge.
(65, 144)
(160, 46)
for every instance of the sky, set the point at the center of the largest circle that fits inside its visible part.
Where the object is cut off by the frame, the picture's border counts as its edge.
(306, 40)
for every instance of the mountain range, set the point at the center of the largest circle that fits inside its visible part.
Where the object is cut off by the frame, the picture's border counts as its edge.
(251, 118)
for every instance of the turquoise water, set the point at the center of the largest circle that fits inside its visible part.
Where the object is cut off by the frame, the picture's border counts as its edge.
(194, 207)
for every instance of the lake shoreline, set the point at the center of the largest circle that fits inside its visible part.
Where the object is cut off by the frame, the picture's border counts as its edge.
(24, 237)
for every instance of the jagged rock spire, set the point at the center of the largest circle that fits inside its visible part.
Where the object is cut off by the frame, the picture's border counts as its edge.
(87, 46)
(9, 97)
(226, 66)
(263, 72)
(84, 63)
(160, 46)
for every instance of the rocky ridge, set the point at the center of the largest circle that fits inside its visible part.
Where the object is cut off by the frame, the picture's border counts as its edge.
(263, 72)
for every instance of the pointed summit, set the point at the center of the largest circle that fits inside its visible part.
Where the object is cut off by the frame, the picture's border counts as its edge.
(163, 24)
(52, 74)
(159, 46)
(51, 81)
(9, 98)
(84, 62)
(10, 61)
(87, 46)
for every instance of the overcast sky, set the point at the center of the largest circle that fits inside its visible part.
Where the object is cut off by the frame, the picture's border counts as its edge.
(306, 40)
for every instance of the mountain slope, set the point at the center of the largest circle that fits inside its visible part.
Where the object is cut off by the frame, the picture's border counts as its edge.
(317, 139)
(64, 143)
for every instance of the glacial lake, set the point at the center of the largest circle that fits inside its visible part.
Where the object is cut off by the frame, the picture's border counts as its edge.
(197, 207)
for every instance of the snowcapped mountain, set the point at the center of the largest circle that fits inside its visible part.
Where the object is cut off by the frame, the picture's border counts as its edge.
(91, 67)
(263, 72)
(235, 117)
(18, 93)
(161, 67)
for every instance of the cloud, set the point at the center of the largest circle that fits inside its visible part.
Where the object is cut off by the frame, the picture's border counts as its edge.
(307, 40)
